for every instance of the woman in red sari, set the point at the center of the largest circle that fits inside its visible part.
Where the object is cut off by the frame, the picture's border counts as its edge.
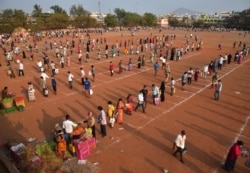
(119, 109)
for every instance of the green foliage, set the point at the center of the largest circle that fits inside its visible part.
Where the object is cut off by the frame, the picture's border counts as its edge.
(111, 20)
(37, 11)
(239, 21)
(77, 11)
(85, 22)
(132, 19)
(58, 9)
(149, 19)
(10, 19)
(57, 21)
(173, 21)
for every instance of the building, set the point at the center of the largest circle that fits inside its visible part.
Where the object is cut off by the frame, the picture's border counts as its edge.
(99, 17)
(163, 22)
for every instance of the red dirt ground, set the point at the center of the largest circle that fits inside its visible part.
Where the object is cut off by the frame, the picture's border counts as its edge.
(143, 143)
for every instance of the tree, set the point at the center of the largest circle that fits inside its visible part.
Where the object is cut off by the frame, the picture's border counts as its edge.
(173, 21)
(58, 9)
(57, 21)
(198, 24)
(85, 22)
(132, 19)
(149, 19)
(120, 13)
(111, 20)
(77, 11)
(37, 11)
(10, 19)
(239, 20)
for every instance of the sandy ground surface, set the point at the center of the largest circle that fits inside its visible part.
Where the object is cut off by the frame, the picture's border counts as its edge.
(143, 143)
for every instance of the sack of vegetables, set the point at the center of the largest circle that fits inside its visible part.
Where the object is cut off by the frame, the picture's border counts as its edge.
(7, 102)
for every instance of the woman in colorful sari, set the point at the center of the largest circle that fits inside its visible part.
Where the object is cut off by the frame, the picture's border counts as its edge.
(61, 146)
(119, 109)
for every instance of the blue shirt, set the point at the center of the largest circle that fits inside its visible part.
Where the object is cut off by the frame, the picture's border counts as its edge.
(156, 66)
(87, 84)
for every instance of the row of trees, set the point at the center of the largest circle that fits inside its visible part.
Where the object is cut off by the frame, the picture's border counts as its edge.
(80, 18)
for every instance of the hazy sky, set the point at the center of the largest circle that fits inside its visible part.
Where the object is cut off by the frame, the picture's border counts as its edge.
(157, 7)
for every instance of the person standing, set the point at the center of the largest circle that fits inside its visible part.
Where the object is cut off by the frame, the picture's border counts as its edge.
(183, 79)
(21, 68)
(172, 86)
(217, 91)
(167, 73)
(53, 67)
(39, 66)
(111, 68)
(139, 63)
(103, 121)
(140, 102)
(156, 68)
(162, 91)
(82, 73)
(68, 128)
(179, 144)
(155, 93)
(111, 112)
(119, 109)
(163, 60)
(62, 61)
(53, 83)
(190, 74)
(80, 57)
(120, 65)
(233, 153)
(92, 72)
(91, 123)
(87, 87)
(220, 62)
(214, 80)
(70, 79)
(205, 71)
(145, 95)
(196, 75)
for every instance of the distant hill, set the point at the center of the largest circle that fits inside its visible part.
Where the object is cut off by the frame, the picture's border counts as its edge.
(183, 11)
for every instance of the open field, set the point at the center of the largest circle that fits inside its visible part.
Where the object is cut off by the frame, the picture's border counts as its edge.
(143, 143)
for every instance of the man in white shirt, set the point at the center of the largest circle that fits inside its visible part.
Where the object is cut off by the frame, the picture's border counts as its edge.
(220, 63)
(39, 65)
(70, 79)
(68, 127)
(20, 70)
(179, 143)
(155, 92)
(205, 71)
(53, 67)
(102, 120)
(140, 101)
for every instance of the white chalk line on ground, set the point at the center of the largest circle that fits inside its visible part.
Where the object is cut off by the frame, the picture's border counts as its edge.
(235, 139)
